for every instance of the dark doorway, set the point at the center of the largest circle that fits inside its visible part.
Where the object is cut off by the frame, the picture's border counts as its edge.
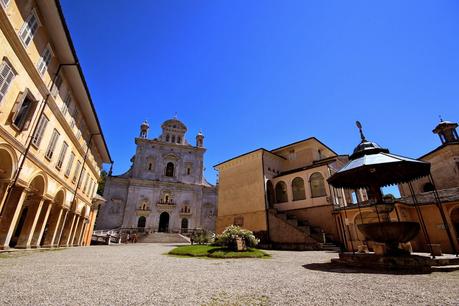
(184, 225)
(163, 222)
(141, 222)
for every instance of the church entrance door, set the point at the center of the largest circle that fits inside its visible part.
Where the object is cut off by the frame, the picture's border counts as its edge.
(163, 222)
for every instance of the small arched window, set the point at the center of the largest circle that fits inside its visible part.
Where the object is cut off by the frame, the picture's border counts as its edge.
(167, 137)
(317, 185)
(150, 165)
(173, 139)
(281, 192)
(298, 189)
(170, 169)
(179, 139)
(428, 187)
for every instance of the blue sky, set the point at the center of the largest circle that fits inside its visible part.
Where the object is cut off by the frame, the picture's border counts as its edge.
(267, 73)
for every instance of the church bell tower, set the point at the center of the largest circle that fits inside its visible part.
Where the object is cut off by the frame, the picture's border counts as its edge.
(144, 129)
(447, 132)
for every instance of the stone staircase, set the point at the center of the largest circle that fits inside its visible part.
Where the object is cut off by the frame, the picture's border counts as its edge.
(324, 240)
(163, 238)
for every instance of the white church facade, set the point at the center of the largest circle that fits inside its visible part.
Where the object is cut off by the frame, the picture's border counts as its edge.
(165, 189)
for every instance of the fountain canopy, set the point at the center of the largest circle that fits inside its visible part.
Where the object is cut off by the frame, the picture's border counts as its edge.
(372, 165)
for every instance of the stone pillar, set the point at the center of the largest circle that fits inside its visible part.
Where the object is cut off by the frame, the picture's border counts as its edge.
(80, 232)
(41, 225)
(75, 231)
(54, 225)
(60, 231)
(67, 230)
(92, 221)
(31, 220)
(10, 215)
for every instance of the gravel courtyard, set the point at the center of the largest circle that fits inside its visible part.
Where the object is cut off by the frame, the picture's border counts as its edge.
(141, 275)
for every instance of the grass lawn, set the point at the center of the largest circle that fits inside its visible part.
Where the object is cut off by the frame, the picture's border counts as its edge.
(215, 252)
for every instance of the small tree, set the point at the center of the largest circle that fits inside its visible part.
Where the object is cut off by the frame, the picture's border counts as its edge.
(102, 179)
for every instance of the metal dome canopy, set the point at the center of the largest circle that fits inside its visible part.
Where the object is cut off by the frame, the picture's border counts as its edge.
(372, 165)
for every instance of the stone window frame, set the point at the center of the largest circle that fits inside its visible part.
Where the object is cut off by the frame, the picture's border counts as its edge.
(29, 28)
(7, 75)
(25, 114)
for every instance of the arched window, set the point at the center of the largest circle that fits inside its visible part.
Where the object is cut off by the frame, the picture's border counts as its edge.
(270, 194)
(428, 187)
(170, 169)
(167, 137)
(317, 185)
(179, 139)
(150, 165)
(184, 225)
(298, 189)
(281, 192)
(173, 139)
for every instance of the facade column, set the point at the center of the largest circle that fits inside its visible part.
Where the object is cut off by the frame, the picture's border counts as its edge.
(55, 220)
(80, 232)
(41, 225)
(92, 221)
(75, 230)
(10, 215)
(67, 229)
(83, 229)
(60, 231)
(31, 220)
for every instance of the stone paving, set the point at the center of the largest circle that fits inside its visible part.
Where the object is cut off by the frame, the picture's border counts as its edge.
(141, 275)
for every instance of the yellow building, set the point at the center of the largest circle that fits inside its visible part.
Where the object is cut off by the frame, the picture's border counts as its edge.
(281, 194)
(51, 144)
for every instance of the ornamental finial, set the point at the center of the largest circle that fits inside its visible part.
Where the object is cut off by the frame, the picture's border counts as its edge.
(359, 126)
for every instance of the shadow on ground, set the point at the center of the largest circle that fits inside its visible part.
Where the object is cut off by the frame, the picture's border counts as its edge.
(337, 268)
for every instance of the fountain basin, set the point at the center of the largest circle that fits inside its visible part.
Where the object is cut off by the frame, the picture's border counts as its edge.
(390, 232)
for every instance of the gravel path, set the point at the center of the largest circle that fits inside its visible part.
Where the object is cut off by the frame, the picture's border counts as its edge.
(141, 275)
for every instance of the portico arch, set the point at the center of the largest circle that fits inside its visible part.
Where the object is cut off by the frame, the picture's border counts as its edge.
(8, 163)
(31, 209)
(53, 218)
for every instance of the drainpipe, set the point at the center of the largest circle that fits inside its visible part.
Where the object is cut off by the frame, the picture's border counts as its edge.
(82, 167)
(265, 196)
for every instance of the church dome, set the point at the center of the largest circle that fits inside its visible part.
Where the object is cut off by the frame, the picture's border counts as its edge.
(174, 131)
(174, 124)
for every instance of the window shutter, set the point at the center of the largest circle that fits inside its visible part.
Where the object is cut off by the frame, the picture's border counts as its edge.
(37, 137)
(5, 3)
(18, 103)
(6, 76)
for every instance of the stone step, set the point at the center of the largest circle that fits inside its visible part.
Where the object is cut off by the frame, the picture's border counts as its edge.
(163, 238)
(305, 229)
(445, 261)
(292, 222)
(448, 268)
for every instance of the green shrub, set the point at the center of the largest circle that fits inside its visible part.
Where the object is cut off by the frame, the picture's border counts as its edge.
(231, 233)
(201, 236)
